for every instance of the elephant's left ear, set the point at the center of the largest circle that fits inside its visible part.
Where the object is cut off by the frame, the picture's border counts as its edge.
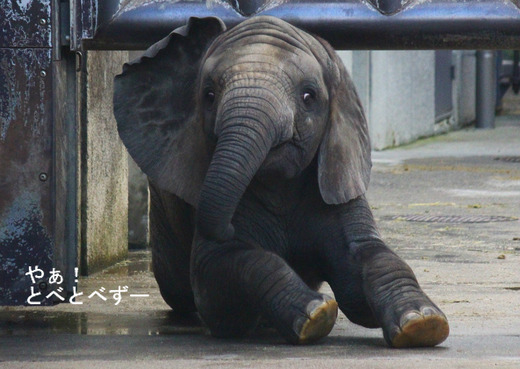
(344, 161)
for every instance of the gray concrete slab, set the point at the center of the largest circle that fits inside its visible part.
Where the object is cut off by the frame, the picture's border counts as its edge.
(472, 270)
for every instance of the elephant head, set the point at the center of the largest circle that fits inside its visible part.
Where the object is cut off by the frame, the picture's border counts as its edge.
(205, 110)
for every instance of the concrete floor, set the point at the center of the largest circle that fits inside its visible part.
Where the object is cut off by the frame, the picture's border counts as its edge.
(472, 270)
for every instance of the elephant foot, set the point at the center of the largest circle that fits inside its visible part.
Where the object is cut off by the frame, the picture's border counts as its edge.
(425, 328)
(320, 318)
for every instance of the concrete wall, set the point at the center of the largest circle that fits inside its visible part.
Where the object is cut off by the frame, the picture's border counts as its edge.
(104, 173)
(138, 207)
(402, 100)
(397, 92)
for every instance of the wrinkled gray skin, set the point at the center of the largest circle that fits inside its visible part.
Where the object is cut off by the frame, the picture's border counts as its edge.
(257, 152)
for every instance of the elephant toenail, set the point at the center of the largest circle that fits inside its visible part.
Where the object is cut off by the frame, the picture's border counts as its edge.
(428, 311)
(414, 315)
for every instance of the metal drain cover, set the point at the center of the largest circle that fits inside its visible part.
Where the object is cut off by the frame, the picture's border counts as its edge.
(509, 159)
(454, 218)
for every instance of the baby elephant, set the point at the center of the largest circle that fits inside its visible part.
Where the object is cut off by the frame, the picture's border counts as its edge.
(257, 152)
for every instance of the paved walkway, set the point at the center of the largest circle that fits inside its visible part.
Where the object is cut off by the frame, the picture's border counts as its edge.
(472, 270)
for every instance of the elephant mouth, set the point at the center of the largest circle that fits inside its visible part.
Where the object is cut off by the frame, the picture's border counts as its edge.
(283, 160)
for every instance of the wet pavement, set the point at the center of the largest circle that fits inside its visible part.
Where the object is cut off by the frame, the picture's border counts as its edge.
(438, 204)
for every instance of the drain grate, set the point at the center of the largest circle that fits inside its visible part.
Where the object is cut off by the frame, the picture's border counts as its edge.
(454, 218)
(509, 159)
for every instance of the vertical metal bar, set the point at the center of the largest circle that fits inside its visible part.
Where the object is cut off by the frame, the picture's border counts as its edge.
(81, 119)
(486, 91)
(65, 176)
(515, 79)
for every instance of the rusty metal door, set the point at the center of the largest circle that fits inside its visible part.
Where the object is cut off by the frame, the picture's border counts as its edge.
(26, 216)
(29, 173)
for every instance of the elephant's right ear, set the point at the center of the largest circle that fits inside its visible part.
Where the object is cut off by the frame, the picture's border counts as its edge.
(155, 109)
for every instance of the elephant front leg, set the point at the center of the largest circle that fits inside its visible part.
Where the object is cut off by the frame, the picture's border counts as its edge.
(375, 287)
(235, 284)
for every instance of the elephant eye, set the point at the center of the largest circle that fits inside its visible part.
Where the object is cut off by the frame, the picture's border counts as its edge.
(210, 97)
(308, 97)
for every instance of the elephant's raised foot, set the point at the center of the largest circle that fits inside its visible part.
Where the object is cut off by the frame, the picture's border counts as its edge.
(321, 316)
(421, 329)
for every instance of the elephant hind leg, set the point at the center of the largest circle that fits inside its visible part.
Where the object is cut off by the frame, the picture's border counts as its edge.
(171, 271)
(235, 284)
(170, 241)
(174, 286)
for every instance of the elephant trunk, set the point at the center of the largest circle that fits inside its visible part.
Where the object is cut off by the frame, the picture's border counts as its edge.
(244, 137)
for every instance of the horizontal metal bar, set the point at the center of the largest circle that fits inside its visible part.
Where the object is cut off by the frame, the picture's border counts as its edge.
(346, 24)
